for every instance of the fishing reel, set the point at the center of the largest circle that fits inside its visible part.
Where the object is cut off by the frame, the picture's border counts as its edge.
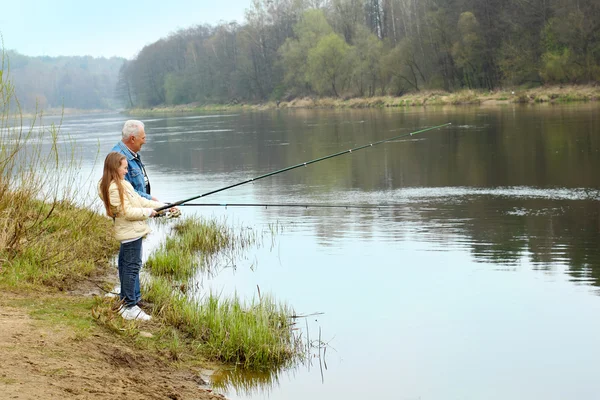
(169, 213)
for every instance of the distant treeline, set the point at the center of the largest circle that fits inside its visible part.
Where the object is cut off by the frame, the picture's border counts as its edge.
(70, 82)
(289, 48)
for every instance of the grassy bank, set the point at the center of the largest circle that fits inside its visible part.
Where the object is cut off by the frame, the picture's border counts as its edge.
(46, 246)
(256, 334)
(543, 94)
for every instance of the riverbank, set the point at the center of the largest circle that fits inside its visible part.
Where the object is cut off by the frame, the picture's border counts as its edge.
(544, 94)
(58, 339)
(53, 112)
(61, 332)
(61, 337)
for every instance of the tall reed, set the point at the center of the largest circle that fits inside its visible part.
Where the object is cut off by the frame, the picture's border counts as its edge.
(48, 235)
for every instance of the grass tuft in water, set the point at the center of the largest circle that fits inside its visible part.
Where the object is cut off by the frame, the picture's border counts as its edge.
(257, 335)
(195, 244)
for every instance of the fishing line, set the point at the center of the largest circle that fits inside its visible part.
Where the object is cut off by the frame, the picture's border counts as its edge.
(304, 164)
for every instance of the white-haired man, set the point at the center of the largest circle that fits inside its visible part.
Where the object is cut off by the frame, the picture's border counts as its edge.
(133, 138)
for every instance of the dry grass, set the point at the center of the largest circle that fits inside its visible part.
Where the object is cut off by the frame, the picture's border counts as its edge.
(47, 239)
(562, 93)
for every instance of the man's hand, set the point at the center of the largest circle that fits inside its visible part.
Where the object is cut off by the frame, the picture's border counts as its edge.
(174, 212)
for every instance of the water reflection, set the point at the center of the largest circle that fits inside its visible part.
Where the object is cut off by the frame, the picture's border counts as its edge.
(244, 382)
(249, 383)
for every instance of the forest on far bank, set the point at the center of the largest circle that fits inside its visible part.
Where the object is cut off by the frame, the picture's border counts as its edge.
(357, 48)
(71, 82)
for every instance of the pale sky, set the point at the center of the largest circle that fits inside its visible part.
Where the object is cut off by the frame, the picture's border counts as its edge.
(104, 28)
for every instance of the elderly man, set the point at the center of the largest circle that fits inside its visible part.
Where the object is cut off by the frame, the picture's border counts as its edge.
(134, 137)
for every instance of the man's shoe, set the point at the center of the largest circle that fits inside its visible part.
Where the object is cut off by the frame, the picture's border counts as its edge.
(134, 313)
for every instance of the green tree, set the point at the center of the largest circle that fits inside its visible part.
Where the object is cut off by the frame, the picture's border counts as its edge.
(295, 51)
(442, 32)
(328, 68)
(401, 67)
(572, 45)
(468, 50)
(124, 86)
(518, 62)
(365, 62)
(403, 44)
(347, 17)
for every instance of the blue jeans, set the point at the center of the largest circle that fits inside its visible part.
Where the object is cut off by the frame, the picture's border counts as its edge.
(130, 263)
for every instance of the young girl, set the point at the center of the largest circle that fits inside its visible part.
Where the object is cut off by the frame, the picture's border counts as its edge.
(129, 211)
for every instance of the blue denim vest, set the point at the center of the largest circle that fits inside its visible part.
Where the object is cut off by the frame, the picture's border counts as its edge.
(136, 173)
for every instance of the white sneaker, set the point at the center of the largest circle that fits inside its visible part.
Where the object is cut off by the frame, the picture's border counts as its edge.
(134, 313)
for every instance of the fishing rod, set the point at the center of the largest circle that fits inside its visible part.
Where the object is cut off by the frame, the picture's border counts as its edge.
(304, 164)
(286, 205)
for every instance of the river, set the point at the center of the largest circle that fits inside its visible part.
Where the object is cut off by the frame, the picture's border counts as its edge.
(479, 279)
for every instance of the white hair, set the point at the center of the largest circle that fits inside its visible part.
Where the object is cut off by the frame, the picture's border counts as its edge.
(132, 128)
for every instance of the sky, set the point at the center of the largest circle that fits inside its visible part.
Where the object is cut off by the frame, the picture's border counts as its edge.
(105, 28)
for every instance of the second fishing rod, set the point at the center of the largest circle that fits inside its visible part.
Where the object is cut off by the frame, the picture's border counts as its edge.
(182, 202)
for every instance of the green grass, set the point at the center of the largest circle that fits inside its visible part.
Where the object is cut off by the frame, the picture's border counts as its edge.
(465, 97)
(255, 335)
(411, 99)
(73, 312)
(8, 381)
(52, 245)
(572, 97)
(69, 311)
(172, 259)
(194, 245)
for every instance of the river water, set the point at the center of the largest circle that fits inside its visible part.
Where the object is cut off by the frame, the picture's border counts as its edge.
(478, 280)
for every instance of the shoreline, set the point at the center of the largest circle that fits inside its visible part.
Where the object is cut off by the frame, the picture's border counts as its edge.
(55, 112)
(548, 94)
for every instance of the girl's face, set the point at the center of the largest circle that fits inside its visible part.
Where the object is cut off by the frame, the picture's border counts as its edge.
(122, 170)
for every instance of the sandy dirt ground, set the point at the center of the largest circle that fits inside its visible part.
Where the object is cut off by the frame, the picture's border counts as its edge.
(40, 361)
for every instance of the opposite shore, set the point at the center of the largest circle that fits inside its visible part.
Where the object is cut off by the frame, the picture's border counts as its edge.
(544, 94)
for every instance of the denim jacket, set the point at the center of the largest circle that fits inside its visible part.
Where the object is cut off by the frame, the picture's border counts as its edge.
(135, 171)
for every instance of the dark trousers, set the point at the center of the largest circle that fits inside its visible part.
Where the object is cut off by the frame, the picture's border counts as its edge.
(130, 263)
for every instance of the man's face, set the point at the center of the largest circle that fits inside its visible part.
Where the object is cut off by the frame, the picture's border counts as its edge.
(136, 142)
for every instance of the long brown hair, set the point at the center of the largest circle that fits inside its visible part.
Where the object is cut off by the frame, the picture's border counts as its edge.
(111, 173)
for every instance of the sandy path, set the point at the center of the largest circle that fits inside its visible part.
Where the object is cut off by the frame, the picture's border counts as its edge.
(43, 363)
